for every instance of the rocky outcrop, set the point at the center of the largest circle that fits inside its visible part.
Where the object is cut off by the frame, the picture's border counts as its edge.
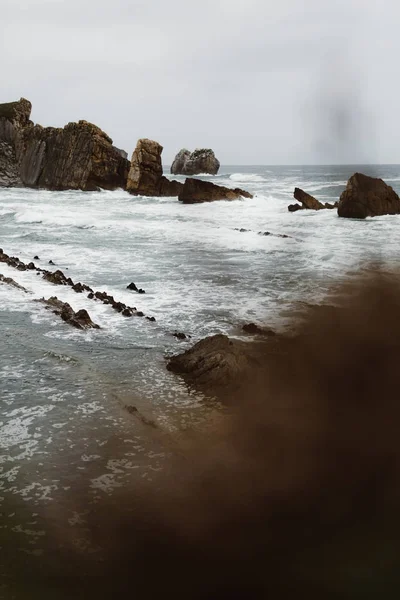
(197, 190)
(14, 117)
(307, 201)
(12, 283)
(216, 360)
(367, 197)
(146, 174)
(80, 319)
(202, 160)
(79, 156)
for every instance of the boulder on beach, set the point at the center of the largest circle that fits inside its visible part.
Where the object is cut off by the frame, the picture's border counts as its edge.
(79, 156)
(307, 202)
(202, 160)
(366, 196)
(146, 173)
(197, 190)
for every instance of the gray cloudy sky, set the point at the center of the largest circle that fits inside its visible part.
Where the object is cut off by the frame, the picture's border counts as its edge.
(259, 81)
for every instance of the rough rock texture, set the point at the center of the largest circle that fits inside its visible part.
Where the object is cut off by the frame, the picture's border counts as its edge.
(14, 117)
(79, 156)
(202, 160)
(178, 165)
(146, 174)
(79, 319)
(367, 197)
(308, 201)
(197, 190)
(216, 360)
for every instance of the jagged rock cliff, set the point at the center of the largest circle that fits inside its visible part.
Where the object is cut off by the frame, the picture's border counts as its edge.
(78, 156)
(14, 117)
(202, 160)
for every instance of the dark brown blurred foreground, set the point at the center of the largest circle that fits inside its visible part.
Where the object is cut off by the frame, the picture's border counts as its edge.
(296, 495)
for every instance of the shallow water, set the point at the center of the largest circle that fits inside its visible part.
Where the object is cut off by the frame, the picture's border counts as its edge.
(63, 391)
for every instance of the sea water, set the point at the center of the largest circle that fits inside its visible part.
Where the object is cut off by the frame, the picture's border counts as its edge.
(206, 268)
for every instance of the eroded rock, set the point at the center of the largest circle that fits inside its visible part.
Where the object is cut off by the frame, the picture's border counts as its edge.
(197, 190)
(367, 197)
(80, 319)
(202, 160)
(146, 174)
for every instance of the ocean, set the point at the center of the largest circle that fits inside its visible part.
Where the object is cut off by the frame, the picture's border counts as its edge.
(206, 268)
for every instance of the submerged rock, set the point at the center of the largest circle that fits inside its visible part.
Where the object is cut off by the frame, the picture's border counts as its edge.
(146, 174)
(367, 197)
(197, 190)
(254, 329)
(202, 160)
(79, 156)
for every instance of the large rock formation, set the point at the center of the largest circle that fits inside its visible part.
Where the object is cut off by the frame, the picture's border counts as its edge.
(146, 174)
(367, 197)
(14, 117)
(307, 201)
(202, 160)
(79, 156)
(197, 190)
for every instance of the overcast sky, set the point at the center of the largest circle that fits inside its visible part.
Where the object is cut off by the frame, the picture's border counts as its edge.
(259, 81)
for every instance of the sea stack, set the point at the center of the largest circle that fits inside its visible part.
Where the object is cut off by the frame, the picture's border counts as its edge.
(202, 160)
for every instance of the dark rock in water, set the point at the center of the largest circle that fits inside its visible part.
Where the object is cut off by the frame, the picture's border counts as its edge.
(202, 160)
(179, 335)
(214, 361)
(152, 319)
(36, 258)
(254, 329)
(140, 314)
(295, 207)
(197, 190)
(133, 287)
(51, 262)
(79, 156)
(367, 197)
(10, 281)
(80, 319)
(327, 205)
(127, 312)
(146, 174)
(31, 266)
(306, 200)
(169, 188)
(58, 277)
